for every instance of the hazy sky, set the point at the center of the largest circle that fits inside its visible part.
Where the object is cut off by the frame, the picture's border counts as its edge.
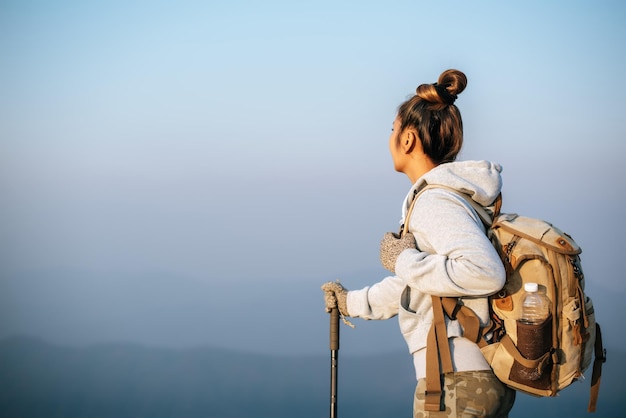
(186, 173)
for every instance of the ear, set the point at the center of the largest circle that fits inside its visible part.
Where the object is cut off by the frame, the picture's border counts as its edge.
(409, 140)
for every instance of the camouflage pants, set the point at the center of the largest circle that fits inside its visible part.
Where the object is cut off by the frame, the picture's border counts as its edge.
(468, 394)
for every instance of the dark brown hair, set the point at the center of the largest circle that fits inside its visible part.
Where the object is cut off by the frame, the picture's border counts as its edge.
(435, 117)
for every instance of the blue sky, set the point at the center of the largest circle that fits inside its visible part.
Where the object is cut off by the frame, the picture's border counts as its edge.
(188, 173)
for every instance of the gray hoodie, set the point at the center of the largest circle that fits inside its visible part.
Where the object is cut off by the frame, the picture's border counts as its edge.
(453, 258)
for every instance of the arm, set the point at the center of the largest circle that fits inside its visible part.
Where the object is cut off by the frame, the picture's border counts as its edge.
(379, 301)
(454, 255)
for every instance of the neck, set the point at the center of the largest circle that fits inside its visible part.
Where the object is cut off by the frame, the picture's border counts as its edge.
(420, 166)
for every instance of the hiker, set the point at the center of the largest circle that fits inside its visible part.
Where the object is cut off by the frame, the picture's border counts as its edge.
(446, 253)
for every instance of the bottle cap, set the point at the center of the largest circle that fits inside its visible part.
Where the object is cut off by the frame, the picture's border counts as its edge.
(531, 287)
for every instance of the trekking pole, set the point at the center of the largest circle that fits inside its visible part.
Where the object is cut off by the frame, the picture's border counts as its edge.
(334, 359)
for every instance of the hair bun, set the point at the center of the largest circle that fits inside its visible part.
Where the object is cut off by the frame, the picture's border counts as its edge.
(450, 84)
(443, 93)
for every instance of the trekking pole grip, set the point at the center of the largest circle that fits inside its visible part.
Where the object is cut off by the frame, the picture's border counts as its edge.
(334, 360)
(334, 329)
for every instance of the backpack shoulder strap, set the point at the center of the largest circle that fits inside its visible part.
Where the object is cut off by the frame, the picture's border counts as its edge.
(484, 216)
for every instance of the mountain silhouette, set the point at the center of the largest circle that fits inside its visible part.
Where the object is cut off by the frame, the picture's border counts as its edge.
(126, 380)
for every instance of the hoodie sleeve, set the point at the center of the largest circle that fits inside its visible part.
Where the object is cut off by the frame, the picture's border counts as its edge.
(379, 301)
(454, 256)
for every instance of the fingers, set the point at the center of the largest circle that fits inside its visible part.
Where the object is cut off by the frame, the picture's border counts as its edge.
(330, 301)
(335, 297)
(409, 239)
(392, 245)
(389, 236)
(332, 287)
(330, 294)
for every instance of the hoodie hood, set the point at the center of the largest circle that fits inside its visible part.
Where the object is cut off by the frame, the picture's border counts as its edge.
(480, 180)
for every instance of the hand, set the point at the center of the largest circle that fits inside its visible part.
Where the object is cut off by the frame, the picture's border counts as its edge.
(335, 296)
(391, 246)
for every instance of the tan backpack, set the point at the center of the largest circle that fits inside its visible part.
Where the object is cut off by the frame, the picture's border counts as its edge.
(539, 359)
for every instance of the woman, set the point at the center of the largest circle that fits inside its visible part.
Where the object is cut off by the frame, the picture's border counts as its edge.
(446, 253)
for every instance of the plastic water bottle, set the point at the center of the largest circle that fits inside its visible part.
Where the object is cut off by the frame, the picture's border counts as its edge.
(535, 306)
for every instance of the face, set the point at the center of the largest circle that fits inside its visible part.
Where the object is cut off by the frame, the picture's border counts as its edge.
(397, 155)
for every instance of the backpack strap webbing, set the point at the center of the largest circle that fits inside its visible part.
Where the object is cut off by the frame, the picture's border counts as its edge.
(438, 358)
(467, 318)
(600, 357)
